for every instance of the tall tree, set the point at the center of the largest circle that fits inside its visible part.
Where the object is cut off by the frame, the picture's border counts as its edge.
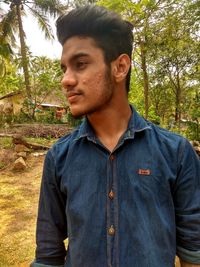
(142, 14)
(175, 55)
(12, 22)
(165, 51)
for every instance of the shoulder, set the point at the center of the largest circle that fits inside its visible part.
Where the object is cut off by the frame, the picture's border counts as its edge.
(63, 144)
(167, 137)
(169, 143)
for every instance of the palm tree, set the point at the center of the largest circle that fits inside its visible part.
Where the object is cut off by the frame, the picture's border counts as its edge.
(12, 23)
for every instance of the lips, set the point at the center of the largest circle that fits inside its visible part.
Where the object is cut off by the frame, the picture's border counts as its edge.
(73, 96)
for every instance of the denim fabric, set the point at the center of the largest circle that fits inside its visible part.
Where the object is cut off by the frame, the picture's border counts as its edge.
(34, 264)
(135, 207)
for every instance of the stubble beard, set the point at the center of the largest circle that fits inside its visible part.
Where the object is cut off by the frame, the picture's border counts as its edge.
(105, 97)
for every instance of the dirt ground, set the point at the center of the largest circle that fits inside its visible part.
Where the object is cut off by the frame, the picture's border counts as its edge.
(18, 210)
(19, 192)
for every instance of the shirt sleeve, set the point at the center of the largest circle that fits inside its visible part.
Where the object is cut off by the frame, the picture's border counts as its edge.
(51, 222)
(35, 264)
(187, 205)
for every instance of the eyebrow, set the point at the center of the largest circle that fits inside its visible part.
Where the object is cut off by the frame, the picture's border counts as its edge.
(74, 57)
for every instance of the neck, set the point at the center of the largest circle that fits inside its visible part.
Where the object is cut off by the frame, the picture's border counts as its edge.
(111, 123)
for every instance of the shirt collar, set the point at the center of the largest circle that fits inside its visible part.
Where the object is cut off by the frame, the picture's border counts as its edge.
(136, 124)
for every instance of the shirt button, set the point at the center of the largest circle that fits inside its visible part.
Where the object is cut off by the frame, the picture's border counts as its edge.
(111, 230)
(111, 194)
(112, 157)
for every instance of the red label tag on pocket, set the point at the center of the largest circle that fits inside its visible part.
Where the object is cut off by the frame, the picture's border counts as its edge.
(144, 172)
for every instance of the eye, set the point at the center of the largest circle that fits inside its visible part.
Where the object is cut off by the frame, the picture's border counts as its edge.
(81, 64)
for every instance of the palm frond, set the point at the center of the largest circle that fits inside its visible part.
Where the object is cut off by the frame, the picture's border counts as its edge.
(9, 26)
(53, 7)
(2, 67)
(43, 23)
(5, 50)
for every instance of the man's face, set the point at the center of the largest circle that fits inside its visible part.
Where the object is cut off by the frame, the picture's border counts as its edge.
(87, 80)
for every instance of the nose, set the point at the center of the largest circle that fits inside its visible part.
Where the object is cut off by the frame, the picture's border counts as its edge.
(69, 79)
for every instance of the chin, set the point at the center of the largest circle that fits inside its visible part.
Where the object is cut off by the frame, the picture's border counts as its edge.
(82, 111)
(77, 114)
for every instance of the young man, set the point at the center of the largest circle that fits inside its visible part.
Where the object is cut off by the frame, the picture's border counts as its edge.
(123, 191)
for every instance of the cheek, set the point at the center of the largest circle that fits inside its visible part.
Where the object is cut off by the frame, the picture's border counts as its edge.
(100, 80)
(94, 80)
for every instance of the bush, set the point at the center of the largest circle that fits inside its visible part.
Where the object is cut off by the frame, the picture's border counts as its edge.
(192, 131)
(5, 119)
(47, 116)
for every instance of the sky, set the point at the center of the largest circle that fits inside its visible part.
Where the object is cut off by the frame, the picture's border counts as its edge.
(36, 41)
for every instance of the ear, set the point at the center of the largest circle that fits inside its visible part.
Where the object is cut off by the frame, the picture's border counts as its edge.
(120, 67)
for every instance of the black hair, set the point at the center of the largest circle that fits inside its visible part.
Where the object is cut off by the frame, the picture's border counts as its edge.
(112, 34)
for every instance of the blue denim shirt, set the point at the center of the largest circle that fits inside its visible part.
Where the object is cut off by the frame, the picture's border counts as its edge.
(138, 206)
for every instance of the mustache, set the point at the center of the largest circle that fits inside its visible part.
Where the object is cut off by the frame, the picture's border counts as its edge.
(71, 92)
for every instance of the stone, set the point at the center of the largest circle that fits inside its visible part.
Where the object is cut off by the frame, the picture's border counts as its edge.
(22, 154)
(21, 148)
(197, 149)
(19, 164)
(37, 154)
(196, 143)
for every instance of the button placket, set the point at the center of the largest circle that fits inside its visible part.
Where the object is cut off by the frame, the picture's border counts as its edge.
(111, 230)
(111, 193)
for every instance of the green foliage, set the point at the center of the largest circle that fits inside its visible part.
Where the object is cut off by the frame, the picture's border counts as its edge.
(166, 50)
(45, 76)
(73, 122)
(76, 3)
(41, 141)
(38, 8)
(2, 67)
(21, 117)
(165, 60)
(192, 131)
(11, 80)
(5, 50)
(48, 117)
(136, 92)
(5, 119)
(12, 24)
(6, 142)
(45, 80)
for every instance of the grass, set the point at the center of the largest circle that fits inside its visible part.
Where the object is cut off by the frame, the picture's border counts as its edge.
(6, 142)
(2, 165)
(41, 141)
(18, 210)
(19, 194)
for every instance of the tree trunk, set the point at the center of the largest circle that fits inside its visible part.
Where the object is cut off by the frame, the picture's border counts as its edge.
(19, 140)
(178, 102)
(23, 52)
(177, 108)
(145, 78)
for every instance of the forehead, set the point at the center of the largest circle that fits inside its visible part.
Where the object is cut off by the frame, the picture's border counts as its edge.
(80, 45)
